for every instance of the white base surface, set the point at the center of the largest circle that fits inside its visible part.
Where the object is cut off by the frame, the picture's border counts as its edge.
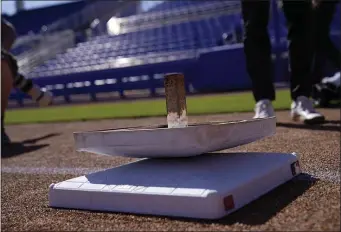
(208, 187)
(192, 140)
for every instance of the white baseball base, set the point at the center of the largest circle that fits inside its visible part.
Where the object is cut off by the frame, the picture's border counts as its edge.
(207, 187)
(188, 141)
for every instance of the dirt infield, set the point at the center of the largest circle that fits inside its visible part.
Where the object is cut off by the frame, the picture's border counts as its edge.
(44, 154)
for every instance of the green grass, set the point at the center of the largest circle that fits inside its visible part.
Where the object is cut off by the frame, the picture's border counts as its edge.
(209, 104)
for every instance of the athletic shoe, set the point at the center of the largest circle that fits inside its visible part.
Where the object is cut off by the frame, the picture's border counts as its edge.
(264, 109)
(334, 80)
(303, 110)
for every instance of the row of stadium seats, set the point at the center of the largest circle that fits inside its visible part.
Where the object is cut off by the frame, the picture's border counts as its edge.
(171, 38)
(110, 63)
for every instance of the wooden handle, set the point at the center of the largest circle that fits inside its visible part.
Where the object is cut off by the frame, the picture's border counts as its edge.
(175, 100)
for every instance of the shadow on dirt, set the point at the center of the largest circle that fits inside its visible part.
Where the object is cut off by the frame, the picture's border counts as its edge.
(329, 125)
(19, 148)
(267, 206)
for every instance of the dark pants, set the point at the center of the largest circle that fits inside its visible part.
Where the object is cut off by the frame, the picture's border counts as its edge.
(324, 48)
(257, 46)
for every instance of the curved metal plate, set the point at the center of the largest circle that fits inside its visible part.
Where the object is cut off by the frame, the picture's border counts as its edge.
(193, 140)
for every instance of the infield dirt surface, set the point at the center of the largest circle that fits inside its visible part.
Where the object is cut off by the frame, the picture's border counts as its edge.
(44, 154)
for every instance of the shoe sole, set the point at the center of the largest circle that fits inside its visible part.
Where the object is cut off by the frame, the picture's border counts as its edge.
(313, 121)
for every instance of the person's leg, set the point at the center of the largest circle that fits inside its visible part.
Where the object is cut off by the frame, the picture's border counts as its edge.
(300, 37)
(325, 88)
(8, 36)
(332, 52)
(257, 50)
(324, 48)
(319, 53)
(6, 87)
(257, 47)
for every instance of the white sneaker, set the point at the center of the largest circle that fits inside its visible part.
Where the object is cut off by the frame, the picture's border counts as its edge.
(334, 80)
(264, 109)
(303, 110)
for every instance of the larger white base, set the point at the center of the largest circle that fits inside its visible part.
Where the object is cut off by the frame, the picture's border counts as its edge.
(208, 186)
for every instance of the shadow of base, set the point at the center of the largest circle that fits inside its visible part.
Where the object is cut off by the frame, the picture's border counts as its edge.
(334, 125)
(267, 206)
(15, 149)
(255, 213)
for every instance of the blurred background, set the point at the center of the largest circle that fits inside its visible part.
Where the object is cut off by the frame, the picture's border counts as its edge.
(92, 50)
